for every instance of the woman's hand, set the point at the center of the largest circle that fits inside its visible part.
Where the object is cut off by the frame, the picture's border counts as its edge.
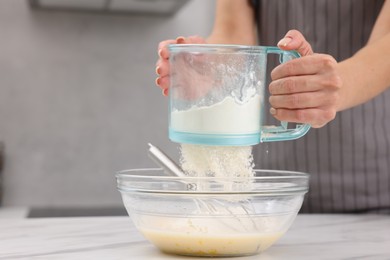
(162, 65)
(305, 90)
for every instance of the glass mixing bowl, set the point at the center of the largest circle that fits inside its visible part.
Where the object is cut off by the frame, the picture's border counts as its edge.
(211, 216)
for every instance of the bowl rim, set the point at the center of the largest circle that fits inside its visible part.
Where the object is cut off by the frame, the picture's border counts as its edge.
(130, 175)
(291, 174)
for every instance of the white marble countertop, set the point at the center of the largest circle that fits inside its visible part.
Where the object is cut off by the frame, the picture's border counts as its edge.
(310, 237)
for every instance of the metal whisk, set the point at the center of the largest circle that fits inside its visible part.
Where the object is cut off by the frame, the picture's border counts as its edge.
(217, 206)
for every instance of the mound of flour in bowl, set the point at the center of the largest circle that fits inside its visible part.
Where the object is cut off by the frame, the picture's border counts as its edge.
(217, 161)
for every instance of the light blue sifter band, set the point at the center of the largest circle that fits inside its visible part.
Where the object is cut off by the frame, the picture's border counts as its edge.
(214, 139)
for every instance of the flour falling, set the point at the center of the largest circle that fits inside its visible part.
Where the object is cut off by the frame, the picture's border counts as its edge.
(217, 161)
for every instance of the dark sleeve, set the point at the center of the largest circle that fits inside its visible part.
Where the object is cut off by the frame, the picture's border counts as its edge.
(255, 3)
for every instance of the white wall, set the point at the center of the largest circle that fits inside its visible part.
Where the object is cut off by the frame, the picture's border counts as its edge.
(78, 100)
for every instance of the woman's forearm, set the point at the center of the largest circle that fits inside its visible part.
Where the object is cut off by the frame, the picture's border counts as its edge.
(234, 23)
(367, 73)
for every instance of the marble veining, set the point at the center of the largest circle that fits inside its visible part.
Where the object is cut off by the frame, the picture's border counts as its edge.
(310, 237)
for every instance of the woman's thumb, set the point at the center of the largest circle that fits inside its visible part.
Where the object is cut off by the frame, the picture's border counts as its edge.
(294, 40)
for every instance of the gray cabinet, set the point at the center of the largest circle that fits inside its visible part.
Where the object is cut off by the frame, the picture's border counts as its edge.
(117, 6)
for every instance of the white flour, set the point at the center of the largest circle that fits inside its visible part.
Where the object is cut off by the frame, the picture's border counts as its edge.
(226, 117)
(217, 161)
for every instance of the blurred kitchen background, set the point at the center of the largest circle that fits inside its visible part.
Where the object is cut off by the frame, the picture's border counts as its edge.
(78, 100)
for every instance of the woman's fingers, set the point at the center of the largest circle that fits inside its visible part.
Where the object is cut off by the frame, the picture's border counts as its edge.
(195, 39)
(163, 82)
(294, 84)
(304, 100)
(162, 64)
(162, 49)
(162, 68)
(308, 65)
(294, 40)
(305, 90)
(316, 117)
